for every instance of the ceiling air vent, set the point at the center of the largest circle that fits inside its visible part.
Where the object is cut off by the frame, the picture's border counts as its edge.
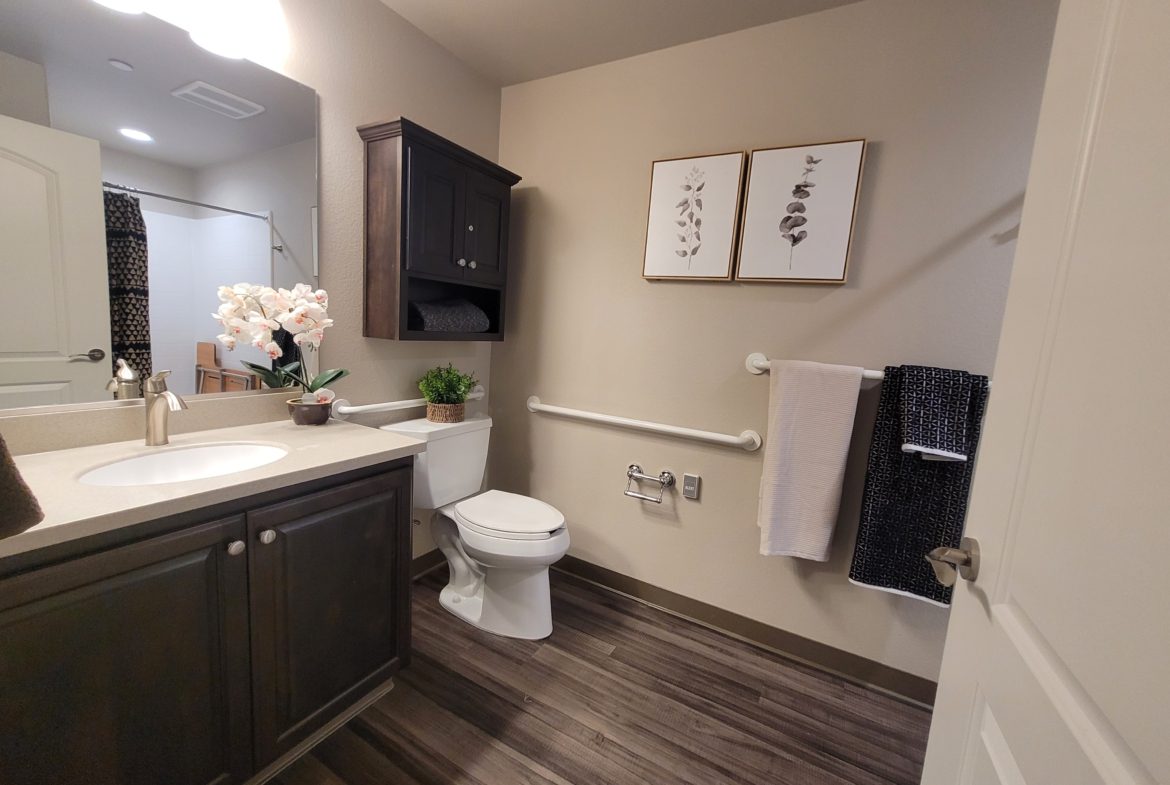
(217, 100)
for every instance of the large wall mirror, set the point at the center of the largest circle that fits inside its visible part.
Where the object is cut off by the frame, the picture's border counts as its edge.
(139, 172)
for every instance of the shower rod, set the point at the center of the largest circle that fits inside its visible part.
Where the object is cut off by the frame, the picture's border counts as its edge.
(132, 189)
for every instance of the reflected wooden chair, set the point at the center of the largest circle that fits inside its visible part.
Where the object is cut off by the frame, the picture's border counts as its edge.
(211, 377)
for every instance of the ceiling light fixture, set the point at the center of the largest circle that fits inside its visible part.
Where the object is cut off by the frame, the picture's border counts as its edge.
(124, 6)
(121, 65)
(136, 135)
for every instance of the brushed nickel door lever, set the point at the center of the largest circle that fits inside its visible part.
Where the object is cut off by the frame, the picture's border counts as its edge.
(949, 564)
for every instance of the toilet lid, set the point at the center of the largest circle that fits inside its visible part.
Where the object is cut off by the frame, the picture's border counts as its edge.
(502, 514)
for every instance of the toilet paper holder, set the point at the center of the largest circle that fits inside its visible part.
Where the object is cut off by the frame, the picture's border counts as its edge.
(635, 474)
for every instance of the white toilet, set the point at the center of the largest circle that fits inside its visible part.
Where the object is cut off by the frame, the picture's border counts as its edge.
(498, 545)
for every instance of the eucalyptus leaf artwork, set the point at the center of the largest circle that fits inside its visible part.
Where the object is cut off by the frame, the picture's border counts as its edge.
(690, 211)
(693, 215)
(799, 212)
(796, 211)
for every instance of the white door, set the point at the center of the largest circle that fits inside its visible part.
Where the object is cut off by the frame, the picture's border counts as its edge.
(53, 267)
(1057, 663)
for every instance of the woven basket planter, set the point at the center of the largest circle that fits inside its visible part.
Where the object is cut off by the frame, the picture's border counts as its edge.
(445, 412)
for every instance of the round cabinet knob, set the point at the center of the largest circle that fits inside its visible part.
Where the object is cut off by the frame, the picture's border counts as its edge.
(462, 262)
(267, 537)
(236, 547)
(471, 264)
(470, 228)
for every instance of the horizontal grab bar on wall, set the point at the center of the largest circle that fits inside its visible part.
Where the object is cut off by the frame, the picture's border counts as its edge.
(748, 440)
(342, 408)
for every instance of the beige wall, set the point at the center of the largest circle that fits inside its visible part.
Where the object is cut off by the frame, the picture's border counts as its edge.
(23, 93)
(947, 94)
(367, 64)
(281, 181)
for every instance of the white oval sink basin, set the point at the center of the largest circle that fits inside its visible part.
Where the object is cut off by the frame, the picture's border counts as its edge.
(179, 464)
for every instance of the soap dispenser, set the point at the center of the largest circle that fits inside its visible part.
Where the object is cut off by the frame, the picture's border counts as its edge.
(125, 384)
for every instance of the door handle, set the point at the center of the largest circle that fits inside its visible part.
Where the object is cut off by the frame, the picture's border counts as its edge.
(471, 264)
(93, 356)
(461, 262)
(949, 564)
(267, 537)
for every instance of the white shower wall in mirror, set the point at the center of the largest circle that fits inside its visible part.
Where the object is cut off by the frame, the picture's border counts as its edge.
(211, 162)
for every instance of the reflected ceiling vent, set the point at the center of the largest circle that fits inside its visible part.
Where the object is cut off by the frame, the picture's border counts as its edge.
(217, 100)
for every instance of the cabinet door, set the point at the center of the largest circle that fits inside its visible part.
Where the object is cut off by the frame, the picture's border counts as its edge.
(435, 204)
(129, 667)
(330, 604)
(486, 241)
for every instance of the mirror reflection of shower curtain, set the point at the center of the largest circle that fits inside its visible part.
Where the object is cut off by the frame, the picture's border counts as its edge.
(126, 260)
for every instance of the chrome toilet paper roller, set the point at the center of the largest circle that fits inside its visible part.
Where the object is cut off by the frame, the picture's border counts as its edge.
(635, 474)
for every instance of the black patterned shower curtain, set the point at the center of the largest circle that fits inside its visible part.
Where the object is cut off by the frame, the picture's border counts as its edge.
(129, 288)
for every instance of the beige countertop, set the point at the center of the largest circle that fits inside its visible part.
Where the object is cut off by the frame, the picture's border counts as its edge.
(74, 510)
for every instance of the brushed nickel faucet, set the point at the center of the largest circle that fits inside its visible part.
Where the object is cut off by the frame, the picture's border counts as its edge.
(160, 402)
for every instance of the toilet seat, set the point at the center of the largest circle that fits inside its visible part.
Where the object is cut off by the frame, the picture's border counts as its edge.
(508, 516)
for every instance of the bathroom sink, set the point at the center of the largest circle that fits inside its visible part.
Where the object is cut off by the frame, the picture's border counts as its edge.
(178, 464)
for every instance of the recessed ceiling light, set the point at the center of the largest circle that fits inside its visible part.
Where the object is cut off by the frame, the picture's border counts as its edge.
(125, 6)
(136, 135)
(121, 65)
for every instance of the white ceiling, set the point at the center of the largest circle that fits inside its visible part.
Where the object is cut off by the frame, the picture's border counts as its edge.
(511, 41)
(74, 39)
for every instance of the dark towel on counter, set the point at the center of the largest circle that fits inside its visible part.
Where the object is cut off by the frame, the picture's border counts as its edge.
(911, 506)
(448, 316)
(19, 509)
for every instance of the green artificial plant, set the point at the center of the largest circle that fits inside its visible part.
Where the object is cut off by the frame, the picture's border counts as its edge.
(446, 385)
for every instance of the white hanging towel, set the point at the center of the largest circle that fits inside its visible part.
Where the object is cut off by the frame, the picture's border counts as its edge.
(810, 425)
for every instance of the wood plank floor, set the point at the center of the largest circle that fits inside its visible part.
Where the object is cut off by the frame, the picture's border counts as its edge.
(620, 694)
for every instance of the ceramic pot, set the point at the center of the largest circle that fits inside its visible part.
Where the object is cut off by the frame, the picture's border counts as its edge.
(445, 412)
(309, 413)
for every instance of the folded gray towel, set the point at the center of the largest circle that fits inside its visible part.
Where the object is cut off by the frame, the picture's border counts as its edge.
(911, 506)
(449, 316)
(935, 407)
(19, 509)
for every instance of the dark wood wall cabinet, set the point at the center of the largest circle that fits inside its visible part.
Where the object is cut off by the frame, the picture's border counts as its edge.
(436, 237)
(203, 654)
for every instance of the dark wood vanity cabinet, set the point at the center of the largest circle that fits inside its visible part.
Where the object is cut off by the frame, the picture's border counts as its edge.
(436, 230)
(330, 615)
(201, 655)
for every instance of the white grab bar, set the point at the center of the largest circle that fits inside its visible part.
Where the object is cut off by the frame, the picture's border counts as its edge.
(342, 408)
(748, 440)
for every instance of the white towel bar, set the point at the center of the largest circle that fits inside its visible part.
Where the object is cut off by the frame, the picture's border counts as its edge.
(342, 408)
(757, 363)
(748, 440)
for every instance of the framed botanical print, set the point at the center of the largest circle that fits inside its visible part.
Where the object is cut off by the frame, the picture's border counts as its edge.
(800, 207)
(694, 208)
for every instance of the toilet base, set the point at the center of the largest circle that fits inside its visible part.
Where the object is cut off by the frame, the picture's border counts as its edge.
(511, 603)
(514, 602)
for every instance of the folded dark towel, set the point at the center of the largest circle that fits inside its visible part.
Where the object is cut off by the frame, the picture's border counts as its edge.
(448, 316)
(19, 509)
(911, 506)
(935, 410)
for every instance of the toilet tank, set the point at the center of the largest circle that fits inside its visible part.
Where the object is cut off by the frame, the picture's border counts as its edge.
(452, 466)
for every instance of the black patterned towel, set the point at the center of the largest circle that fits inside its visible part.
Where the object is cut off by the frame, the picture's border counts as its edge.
(935, 404)
(911, 506)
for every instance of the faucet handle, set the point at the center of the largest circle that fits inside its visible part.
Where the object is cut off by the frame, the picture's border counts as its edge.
(157, 383)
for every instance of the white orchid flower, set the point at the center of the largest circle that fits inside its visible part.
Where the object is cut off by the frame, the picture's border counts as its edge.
(227, 340)
(273, 350)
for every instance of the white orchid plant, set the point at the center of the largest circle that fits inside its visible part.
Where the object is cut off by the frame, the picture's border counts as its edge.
(251, 313)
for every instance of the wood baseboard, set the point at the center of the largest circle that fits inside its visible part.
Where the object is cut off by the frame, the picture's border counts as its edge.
(421, 565)
(819, 655)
